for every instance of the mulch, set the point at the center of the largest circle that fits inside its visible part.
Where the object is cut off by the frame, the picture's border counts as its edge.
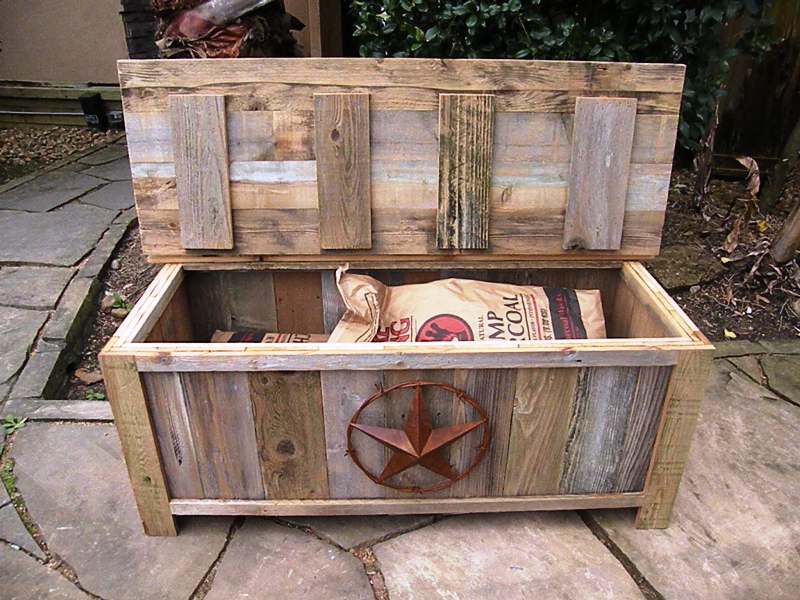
(26, 149)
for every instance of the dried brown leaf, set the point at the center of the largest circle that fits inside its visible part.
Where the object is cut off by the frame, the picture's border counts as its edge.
(753, 181)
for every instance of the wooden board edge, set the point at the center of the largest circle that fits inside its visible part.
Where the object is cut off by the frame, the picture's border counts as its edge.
(148, 309)
(403, 506)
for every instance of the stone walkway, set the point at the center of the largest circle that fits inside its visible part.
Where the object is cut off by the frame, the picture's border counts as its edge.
(71, 529)
(58, 228)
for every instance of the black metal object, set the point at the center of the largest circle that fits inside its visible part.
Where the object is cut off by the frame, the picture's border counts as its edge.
(94, 111)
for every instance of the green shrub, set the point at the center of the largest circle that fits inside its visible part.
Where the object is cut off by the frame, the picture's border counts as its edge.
(623, 30)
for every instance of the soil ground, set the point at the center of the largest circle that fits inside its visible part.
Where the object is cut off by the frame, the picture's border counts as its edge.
(26, 149)
(716, 297)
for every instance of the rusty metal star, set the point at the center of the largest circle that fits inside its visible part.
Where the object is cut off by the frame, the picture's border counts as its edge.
(418, 443)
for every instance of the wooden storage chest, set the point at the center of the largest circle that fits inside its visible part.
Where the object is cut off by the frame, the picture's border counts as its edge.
(255, 178)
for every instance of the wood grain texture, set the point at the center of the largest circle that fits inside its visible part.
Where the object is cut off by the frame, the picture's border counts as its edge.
(230, 301)
(137, 438)
(165, 398)
(342, 148)
(685, 393)
(402, 506)
(543, 406)
(287, 408)
(174, 324)
(493, 390)
(200, 140)
(602, 139)
(444, 75)
(466, 138)
(221, 419)
(597, 429)
(640, 432)
(298, 302)
(343, 393)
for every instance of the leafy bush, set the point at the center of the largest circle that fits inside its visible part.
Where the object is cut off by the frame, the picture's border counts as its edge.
(620, 30)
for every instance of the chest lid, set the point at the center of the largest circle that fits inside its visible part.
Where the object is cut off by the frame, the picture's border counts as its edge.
(358, 159)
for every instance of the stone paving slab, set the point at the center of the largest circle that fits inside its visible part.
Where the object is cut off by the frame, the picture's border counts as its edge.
(512, 556)
(783, 375)
(33, 287)
(48, 191)
(76, 488)
(13, 531)
(117, 170)
(18, 329)
(24, 578)
(104, 155)
(70, 315)
(61, 237)
(349, 532)
(43, 374)
(36, 409)
(736, 526)
(267, 560)
(117, 195)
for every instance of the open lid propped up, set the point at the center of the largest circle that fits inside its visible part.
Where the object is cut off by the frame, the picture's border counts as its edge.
(365, 159)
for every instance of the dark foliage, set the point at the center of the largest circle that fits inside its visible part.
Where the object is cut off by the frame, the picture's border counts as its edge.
(620, 30)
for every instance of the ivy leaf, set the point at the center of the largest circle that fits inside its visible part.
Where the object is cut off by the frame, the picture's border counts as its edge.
(472, 21)
(431, 33)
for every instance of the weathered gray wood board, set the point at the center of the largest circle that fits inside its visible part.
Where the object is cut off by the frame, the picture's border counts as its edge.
(200, 139)
(466, 138)
(602, 139)
(342, 146)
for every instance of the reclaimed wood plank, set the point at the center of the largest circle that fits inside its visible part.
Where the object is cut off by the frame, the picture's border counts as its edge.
(640, 432)
(287, 409)
(597, 429)
(174, 324)
(199, 136)
(343, 393)
(138, 441)
(221, 419)
(543, 406)
(684, 395)
(402, 506)
(230, 301)
(445, 75)
(298, 301)
(396, 136)
(466, 138)
(493, 390)
(167, 404)
(342, 148)
(602, 138)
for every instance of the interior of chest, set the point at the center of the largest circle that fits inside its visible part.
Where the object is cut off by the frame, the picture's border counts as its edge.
(307, 302)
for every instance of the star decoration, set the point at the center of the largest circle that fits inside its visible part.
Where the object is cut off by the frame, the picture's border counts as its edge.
(418, 443)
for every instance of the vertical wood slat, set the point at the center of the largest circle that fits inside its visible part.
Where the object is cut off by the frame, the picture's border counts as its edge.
(602, 139)
(540, 424)
(342, 148)
(137, 438)
(493, 390)
(343, 393)
(466, 138)
(221, 419)
(287, 409)
(298, 301)
(597, 429)
(231, 300)
(200, 142)
(685, 393)
(174, 434)
(640, 432)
